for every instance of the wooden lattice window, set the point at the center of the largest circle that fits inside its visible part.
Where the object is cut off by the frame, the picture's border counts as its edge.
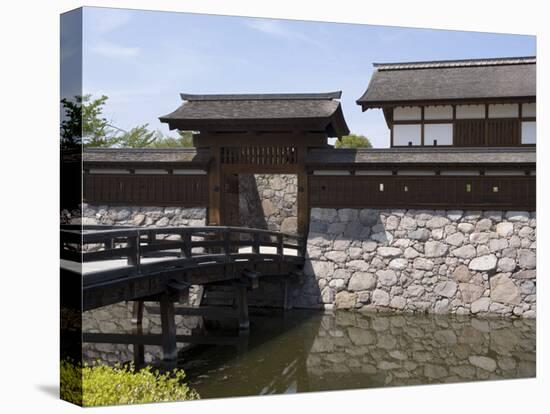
(259, 155)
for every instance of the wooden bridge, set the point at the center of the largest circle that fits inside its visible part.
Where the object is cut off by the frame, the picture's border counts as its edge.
(160, 264)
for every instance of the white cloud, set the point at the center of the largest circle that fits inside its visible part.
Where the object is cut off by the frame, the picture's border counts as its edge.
(279, 29)
(112, 50)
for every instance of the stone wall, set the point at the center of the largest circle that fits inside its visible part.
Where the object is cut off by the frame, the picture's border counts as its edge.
(142, 216)
(268, 201)
(463, 262)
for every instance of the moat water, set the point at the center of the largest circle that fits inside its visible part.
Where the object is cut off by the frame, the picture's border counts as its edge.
(303, 351)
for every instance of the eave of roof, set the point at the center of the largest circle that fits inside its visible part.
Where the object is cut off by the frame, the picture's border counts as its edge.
(370, 157)
(314, 111)
(183, 157)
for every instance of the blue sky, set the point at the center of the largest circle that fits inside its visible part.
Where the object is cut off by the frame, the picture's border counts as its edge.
(142, 60)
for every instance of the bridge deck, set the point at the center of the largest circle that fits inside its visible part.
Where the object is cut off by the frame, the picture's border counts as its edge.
(131, 263)
(137, 264)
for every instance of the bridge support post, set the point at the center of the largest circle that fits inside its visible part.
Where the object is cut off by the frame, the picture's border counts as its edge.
(137, 312)
(287, 298)
(168, 324)
(242, 306)
(138, 349)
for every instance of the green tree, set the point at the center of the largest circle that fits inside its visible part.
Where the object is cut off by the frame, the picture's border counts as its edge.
(138, 137)
(85, 124)
(184, 140)
(353, 141)
(71, 126)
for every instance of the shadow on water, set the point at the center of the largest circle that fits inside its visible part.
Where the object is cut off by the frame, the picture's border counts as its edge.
(304, 351)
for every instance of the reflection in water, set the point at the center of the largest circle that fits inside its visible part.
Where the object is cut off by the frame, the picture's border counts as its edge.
(305, 351)
(301, 351)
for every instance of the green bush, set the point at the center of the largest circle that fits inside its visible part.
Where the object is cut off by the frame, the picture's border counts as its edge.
(93, 385)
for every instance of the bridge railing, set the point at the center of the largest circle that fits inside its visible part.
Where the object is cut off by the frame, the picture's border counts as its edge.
(183, 244)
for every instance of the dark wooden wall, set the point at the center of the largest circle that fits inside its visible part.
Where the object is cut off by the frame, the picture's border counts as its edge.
(445, 192)
(146, 190)
(487, 132)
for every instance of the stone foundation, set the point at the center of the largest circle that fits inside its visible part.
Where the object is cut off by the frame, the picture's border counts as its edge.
(142, 216)
(463, 262)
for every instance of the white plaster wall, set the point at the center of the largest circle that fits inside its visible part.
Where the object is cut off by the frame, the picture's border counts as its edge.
(529, 132)
(443, 133)
(470, 111)
(504, 111)
(438, 112)
(529, 109)
(402, 134)
(402, 113)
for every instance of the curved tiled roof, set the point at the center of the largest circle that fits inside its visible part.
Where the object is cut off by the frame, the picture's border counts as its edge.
(395, 83)
(310, 111)
(145, 155)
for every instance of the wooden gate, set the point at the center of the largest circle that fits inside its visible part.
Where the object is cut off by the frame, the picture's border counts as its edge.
(230, 200)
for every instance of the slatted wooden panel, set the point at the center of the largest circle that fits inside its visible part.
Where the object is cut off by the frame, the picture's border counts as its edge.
(147, 190)
(469, 132)
(421, 192)
(259, 155)
(503, 132)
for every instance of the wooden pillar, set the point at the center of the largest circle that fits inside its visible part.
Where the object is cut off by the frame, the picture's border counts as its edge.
(138, 349)
(137, 312)
(242, 306)
(215, 188)
(168, 324)
(287, 294)
(302, 196)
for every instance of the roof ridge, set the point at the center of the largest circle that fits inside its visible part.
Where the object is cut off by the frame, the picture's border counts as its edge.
(261, 96)
(497, 61)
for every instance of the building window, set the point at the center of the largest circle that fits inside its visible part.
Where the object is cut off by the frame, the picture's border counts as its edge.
(495, 189)
(529, 132)
(381, 187)
(404, 135)
(438, 134)
(468, 187)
